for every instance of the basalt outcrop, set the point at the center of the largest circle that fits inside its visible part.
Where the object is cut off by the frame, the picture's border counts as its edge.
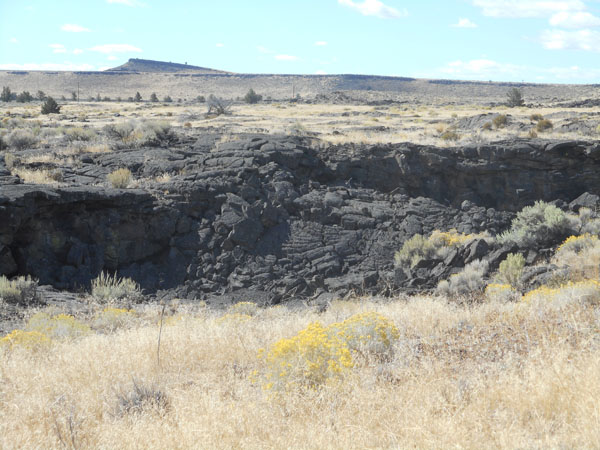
(271, 217)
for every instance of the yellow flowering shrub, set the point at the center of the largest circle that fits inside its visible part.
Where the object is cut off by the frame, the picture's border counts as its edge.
(438, 244)
(500, 292)
(586, 290)
(234, 318)
(246, 308)
(307, 360)
(368, 334)
(58, 326)
(577, 244)
(30, 340)
(451, 238)
(318, 354)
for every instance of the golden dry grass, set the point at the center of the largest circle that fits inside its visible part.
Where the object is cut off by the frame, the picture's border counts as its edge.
(483, 376)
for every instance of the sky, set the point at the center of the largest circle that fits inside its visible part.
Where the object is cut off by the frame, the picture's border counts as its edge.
(549, 41)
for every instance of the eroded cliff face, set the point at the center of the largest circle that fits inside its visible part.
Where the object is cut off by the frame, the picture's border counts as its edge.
(267, 217)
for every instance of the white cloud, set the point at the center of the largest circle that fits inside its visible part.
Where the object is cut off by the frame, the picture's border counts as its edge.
(77, 51)
(486, 69)
(464, 23)
(588, 40)
(478, 69)
(567, 19)
(112, 58)
(13, 41)
(57, 48)
(262, 49)
(320, 43)
(127, 2)
(48, 66)
(527, 8)
(115, 48)
(72, 28)
(220, 45)
(286, 58)
(374, 8)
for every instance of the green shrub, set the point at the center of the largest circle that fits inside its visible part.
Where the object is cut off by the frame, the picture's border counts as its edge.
(487, 126)
(544, 125)
(21, 290)
(511, 269)
(50, 106)
(536, 117)
(120, 178)
(500, 121)
(537, 225)
(467, 282)
(167, 99)
(252, 97)
(137, 97)
(6, 95)
(111, 288)
(20, 139)
(24, 97)
(153, 97)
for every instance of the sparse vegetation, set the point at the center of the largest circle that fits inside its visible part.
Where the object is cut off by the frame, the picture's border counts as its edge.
(500, 121)
(218, 106)
(544, 125)
(20, 139)
(20, 290)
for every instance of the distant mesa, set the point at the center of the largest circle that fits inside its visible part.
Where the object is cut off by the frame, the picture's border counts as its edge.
(148, 65)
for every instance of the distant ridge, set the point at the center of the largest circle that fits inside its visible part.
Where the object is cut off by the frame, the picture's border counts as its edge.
(148, 65)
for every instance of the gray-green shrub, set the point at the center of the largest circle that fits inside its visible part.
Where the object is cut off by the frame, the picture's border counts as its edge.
(20, 139)
(538, 225)
(471, 280)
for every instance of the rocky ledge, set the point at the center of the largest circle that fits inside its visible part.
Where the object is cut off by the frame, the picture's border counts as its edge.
(266, 218)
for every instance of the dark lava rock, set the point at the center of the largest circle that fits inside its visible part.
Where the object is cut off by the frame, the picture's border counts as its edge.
(280, 215)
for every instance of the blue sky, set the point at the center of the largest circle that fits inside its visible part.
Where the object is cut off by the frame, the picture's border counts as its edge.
(500, 40)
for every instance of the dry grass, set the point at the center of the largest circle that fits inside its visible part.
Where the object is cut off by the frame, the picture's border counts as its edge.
(38, 176)
(486, 376)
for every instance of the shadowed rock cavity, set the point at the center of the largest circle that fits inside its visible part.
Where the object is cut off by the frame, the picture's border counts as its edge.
(270, 217)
